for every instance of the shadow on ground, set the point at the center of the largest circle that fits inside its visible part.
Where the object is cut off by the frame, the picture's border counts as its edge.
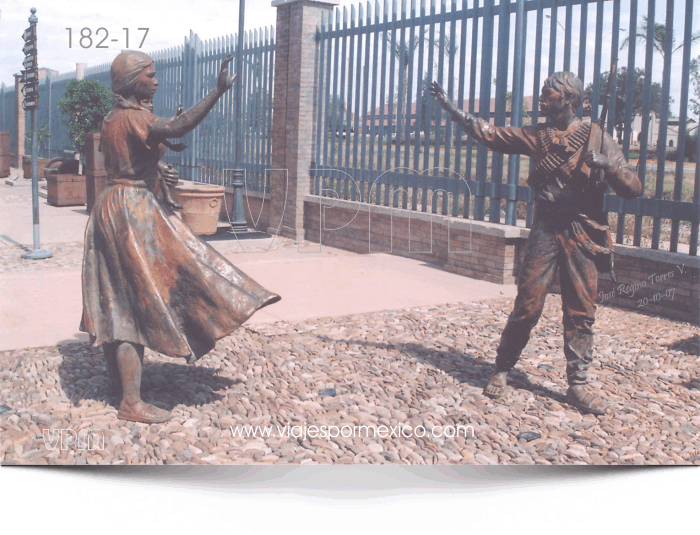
(464, 368)
(690, 346)
(83, 375)
(226, 234)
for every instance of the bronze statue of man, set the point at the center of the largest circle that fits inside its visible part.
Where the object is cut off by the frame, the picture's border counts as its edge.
(148, 281)
(573, 160)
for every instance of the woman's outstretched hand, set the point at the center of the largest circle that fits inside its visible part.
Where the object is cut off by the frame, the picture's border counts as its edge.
(225, 81)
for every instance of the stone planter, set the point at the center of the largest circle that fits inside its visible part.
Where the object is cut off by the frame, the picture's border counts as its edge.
(27, 166)
(65, 189)
(201, 204)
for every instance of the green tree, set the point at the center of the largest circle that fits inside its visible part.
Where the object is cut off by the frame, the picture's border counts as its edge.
(42, 134)
(695, 78)
(621, 96)
(85, 104)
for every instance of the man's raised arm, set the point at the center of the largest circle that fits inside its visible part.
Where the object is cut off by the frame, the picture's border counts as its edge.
(508, 139)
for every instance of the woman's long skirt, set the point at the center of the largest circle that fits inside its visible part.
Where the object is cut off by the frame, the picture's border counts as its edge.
(149, 280)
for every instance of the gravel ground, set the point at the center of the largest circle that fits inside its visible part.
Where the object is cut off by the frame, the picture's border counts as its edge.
(416, 367)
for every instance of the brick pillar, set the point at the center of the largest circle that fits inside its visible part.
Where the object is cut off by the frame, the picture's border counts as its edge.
(20, 122)
(294, 109)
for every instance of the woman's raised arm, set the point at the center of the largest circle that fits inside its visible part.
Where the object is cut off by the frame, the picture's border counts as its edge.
(180, 125)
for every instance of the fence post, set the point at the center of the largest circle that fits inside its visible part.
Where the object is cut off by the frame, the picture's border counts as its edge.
(294, 111)
(20, 121)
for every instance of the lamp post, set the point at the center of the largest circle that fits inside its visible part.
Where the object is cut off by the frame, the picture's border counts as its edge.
(239, 225)
(30, 78)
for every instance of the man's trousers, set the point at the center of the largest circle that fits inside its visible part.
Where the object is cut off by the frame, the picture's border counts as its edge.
(551, 246)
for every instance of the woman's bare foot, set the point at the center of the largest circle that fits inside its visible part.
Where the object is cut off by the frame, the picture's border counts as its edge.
(143, 412)
(496, 386)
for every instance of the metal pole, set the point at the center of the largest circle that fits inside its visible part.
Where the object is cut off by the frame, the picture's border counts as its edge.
(37, 253)
(239, 225)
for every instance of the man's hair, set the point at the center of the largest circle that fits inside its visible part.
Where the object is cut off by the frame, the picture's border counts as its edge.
(568, 84)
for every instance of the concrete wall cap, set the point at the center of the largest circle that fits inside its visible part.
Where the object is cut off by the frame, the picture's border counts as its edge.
(657, 255)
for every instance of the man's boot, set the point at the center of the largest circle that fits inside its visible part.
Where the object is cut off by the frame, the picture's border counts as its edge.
(584, 400)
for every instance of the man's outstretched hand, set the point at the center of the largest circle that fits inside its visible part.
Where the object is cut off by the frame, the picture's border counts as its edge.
(438, 92)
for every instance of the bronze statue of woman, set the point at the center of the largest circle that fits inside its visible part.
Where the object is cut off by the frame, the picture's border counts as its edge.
(148, 281)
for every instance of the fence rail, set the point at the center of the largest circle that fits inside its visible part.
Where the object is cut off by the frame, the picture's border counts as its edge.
(382, 139)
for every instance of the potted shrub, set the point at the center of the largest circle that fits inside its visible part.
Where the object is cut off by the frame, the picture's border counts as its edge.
(42, 135)
(85, 104)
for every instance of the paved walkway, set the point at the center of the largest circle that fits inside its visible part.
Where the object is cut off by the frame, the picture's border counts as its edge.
(358, 344)
(40, 300)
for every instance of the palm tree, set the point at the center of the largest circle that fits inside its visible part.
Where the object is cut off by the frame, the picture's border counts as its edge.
(659, 37)
(409, 51)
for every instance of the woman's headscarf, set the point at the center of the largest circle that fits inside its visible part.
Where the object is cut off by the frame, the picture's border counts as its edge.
(124, 73)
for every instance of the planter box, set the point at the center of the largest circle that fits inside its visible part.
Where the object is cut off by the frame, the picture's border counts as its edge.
(65, 190)
(27, 167)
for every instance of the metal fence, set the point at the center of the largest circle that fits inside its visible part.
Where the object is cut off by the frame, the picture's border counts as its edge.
(211, 153)
(382, 139)
(49, 118)
(186, 74)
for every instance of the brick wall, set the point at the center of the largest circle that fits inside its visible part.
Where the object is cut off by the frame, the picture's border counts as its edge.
(486, 251)
(657, 282)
